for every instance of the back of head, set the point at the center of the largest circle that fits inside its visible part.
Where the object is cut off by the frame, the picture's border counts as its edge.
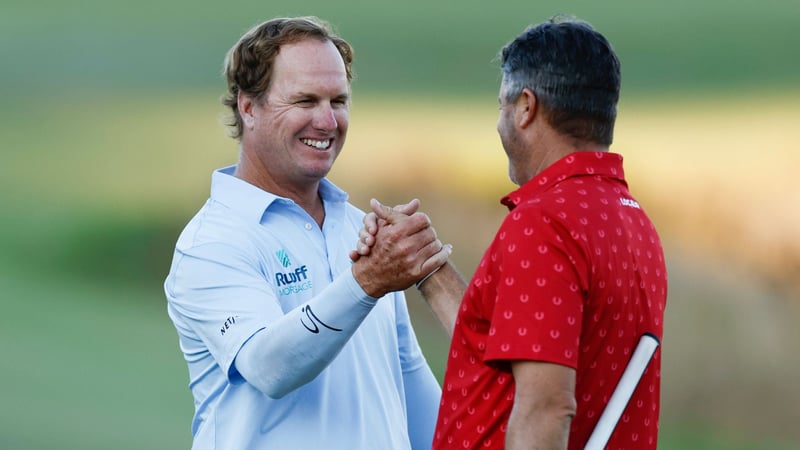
(574, 73)
(248, 64)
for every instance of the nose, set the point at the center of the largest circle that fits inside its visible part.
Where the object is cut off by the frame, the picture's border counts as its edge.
(324, 118)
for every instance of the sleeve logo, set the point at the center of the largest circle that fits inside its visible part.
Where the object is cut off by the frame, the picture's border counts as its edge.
(229, 322)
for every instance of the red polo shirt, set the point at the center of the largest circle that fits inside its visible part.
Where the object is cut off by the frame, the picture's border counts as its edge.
(574, 276)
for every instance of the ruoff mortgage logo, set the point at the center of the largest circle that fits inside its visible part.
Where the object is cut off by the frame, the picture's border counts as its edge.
(294, 281)
(283, 258)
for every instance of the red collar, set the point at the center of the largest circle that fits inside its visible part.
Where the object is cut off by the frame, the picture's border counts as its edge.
(599, 164)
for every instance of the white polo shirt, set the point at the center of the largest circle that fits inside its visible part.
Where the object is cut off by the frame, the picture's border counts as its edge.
(247, 258)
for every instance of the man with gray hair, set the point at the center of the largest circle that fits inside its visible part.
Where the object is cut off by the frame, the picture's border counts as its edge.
(574, 278)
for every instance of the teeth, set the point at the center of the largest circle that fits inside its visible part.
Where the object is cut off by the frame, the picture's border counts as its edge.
(317, 144)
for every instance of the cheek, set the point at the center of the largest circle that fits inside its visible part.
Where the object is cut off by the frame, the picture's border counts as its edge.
(342, 120)
(503, 119)
(502, 125)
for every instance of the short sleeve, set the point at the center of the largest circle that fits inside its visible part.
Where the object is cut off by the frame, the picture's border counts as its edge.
(539, 298)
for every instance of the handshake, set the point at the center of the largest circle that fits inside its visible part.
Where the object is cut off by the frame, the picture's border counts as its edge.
(397, 247)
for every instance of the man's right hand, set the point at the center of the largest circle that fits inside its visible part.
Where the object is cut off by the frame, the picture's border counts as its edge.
(366, 236)
(403, 248)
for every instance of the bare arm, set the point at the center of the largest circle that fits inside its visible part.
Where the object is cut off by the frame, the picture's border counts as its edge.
(544, 405)
(403, 251)
(443, 291)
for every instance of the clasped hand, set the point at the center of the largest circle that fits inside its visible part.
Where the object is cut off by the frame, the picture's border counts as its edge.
(397, 247)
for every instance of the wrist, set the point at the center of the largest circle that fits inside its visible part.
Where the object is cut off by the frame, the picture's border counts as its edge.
(425, 278)
(356, 290)
(365, 282)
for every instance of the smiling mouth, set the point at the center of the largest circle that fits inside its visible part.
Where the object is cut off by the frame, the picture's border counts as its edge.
(319, 145)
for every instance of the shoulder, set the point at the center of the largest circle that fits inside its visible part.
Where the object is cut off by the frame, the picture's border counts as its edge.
(219, 232)
(207, 225)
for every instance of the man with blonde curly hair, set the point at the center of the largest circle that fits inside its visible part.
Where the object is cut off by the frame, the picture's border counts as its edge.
(290, 345)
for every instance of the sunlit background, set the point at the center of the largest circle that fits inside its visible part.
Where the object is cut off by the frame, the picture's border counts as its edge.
(110, 128)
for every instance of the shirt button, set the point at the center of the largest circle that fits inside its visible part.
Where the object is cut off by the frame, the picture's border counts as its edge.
(308, 226)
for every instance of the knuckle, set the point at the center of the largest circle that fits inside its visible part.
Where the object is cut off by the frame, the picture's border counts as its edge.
(419, 218)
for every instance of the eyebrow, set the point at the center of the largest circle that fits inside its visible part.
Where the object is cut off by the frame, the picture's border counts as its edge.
(342, 97)
(300, 95)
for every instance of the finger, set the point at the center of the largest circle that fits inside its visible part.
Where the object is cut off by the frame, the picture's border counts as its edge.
(364, 244)
(380, 210)
(363, 249)
(366, 238)
(370, 221)
(408, 208)
(387, 215)
(416, 223)
(437, 260)
(428, 250)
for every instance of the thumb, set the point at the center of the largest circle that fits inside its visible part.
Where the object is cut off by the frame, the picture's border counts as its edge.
(385, 212)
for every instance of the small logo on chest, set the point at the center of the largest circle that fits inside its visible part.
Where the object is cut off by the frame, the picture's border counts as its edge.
(283, 258)
(629, 202)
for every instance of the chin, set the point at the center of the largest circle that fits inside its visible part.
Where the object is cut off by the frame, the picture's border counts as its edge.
(512, 176)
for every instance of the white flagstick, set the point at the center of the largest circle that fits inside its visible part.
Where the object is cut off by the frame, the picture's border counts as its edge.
(622, 393)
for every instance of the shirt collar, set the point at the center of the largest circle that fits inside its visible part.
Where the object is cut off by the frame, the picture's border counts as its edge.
(598, 164)
(251, 202)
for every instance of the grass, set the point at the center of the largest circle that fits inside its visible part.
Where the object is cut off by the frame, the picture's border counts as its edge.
(92, 366)
(720, 170)
(94, 197)
(417, 45)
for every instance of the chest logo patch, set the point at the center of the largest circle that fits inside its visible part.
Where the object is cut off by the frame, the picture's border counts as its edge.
(283, 258)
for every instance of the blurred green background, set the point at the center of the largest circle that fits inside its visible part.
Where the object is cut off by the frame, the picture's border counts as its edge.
(110, 127)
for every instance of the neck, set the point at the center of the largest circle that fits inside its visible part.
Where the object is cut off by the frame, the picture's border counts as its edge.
(551, 147)
(306, 195)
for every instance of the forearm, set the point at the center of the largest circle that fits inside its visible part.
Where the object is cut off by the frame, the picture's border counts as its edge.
(443, 291)
(295, 349)
(544, 405)
(542, 430)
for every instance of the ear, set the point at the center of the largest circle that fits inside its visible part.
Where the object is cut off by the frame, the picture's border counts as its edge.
(526, 108)
(245, 105)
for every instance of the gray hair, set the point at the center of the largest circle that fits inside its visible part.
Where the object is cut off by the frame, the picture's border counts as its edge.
(574, 73)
